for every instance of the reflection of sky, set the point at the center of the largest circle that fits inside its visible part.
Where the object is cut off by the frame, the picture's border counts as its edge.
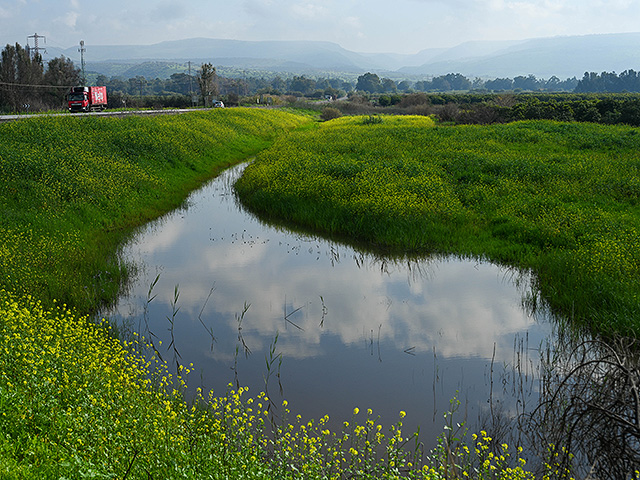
(390, 329)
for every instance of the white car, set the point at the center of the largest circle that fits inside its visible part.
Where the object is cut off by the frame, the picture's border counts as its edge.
(218, 104)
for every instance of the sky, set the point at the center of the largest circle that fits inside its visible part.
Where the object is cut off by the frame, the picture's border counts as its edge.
(377, 26)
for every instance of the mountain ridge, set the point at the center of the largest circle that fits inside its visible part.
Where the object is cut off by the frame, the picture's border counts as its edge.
(561, 56)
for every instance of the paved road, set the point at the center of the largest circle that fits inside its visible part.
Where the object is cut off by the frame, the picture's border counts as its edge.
(118, 113)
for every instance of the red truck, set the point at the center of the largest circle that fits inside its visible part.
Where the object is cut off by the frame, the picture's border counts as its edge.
(85, 99)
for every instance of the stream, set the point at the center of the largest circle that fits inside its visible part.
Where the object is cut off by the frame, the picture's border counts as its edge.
(328, 327)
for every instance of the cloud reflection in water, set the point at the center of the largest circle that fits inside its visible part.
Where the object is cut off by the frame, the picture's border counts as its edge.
(391, 312)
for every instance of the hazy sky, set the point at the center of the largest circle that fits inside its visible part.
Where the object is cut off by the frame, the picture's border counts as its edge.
(399, 26)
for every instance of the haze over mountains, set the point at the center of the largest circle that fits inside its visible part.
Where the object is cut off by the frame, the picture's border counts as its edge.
(564, 57)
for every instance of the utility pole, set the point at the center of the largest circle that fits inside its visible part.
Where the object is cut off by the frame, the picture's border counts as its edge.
(191, 85)
(36, 48)
(82, 50)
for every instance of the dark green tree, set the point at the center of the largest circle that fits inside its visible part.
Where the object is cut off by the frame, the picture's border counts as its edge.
(369, 82)
(528, 83)
(137, 86)
(451, 81)
(279, 85)
(61, 74)
(499, 84)
(440, 84)
(180, 83)
(302, 85)
(423, 85)
(459, 81)
(19, 72)
(207, 81)
(404, 86)
(389, 86)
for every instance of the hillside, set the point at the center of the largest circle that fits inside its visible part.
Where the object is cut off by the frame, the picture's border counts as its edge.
(560, 56)
(563, 57)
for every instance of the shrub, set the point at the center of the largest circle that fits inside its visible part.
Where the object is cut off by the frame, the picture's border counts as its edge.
(329, 113)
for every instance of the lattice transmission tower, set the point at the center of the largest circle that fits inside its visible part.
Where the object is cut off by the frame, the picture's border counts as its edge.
(36, 47)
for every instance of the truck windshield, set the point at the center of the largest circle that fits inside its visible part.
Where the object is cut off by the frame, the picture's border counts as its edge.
(74, 97)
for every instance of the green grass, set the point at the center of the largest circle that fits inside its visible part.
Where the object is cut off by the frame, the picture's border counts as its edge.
(72, 189)
(561, 199)
(76, 402)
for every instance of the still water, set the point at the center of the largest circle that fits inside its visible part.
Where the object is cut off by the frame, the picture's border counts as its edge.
(353, 329)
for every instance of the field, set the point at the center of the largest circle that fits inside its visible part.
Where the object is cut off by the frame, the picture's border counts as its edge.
(74, 188)
(558, 198)
(77, 401)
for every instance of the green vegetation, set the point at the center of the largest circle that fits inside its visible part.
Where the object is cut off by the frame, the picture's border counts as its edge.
(561, 199)
(76, 402)
(488, 108)
(72, 189)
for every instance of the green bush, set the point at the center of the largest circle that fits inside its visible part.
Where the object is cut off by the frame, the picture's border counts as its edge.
(329, 113)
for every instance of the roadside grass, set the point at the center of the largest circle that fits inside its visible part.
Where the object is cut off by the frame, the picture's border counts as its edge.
(73, 188)
(561, 199)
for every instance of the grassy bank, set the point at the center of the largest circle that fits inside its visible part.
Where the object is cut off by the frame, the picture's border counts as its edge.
(72, 189)
(76, 402)
(559, 198)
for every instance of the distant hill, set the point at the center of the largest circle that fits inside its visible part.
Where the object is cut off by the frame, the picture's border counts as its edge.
(563, 57)
(269, 54)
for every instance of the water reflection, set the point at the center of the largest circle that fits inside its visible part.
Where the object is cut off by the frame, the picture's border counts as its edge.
(353, 329)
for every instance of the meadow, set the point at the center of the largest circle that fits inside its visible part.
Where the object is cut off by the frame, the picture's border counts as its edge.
(77, 401)
(73, 189)
(560, 199)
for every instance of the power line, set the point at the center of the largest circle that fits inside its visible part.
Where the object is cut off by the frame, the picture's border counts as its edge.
(34, 86)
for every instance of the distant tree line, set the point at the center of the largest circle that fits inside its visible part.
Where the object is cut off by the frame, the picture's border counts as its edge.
(184, 84)
(627, 81)
(607, 108)
(371, 83)
(488, 108)
(304, 86)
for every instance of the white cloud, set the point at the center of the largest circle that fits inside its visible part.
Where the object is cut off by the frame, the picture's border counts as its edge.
(70, 19)
(167, 12)
(261, 8)
(407, 26)
(309, 11)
